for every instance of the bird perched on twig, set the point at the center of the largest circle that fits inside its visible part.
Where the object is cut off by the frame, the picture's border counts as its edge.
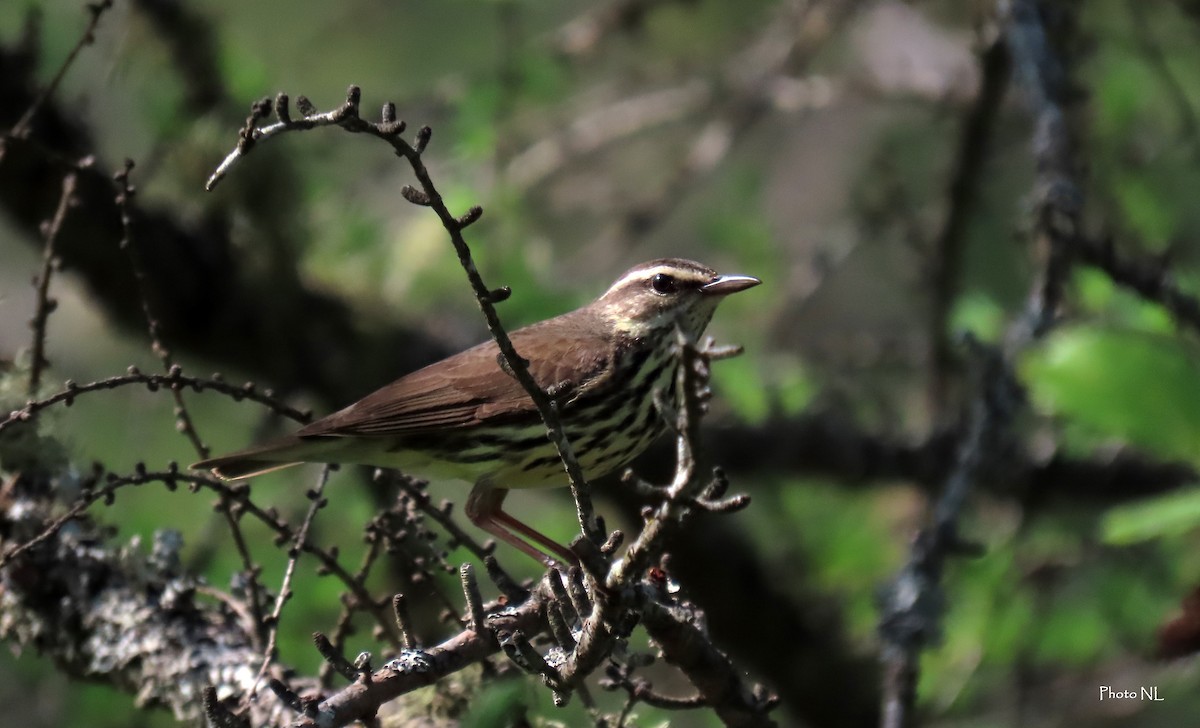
(466, 418)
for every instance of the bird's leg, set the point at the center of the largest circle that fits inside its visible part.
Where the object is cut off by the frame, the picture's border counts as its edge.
(483, 508)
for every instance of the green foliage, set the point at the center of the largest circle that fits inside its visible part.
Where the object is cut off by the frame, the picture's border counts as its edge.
(1075, 635)
(979, 314)
(757, 387)
(740, 386)
(1167, 515)
(500, 704)
(476, 119)
(1140, 162)
(1095, 292)
(1138, 387)
(843, 536)
(737, 221)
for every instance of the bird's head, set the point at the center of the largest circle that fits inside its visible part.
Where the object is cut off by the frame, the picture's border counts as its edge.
(662, 294)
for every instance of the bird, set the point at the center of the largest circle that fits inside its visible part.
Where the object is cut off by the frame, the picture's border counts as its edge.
(467, 418)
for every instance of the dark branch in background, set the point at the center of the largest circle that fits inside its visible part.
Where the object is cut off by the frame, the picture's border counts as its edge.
(744, 97)
(723, 110)
(21, 129)
(829, 445)
(914, 603)
(1058, 198)
(584, 34)
(189, 39)
(946, 258)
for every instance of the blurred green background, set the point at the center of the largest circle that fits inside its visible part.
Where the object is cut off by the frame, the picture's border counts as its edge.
(811, 144)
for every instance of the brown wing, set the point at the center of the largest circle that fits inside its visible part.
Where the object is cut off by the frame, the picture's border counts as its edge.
(470, 388)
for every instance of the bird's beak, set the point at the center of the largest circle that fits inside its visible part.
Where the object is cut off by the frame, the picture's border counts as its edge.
(724, 285)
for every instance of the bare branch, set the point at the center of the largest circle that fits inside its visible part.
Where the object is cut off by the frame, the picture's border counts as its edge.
(21, 128)
(173, 379)
(45, 305)
(317, 502)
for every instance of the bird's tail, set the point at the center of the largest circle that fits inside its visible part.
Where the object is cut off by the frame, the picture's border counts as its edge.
(267, 457)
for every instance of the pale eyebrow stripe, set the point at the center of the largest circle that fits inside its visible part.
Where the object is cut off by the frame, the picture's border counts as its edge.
(647, 274)
(643, 275)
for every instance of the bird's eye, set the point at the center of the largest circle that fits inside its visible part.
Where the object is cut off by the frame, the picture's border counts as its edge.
(663, 284)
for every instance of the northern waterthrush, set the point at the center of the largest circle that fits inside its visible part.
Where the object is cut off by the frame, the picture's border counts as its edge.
(466, 418)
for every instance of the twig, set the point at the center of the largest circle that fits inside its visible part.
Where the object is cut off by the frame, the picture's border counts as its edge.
(913, 604)
(183, 417)
(639, 690)
(23, 125)
(344, 625)
(408, 638)
(45, 304)
(124, 199)
(685, 644)
(318, 502)
(583, 34)
(1057, 195)
(458, 535)
(947, 255)
(173, 378)
(234, 497)
(474, 600)
(184, 421)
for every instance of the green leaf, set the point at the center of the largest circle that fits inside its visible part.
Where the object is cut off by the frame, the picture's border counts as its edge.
(1168, 515)
(980, 314)
(1146, 209)
(1096, 292)
(1138, 387)
(741, 385)
(501, 704)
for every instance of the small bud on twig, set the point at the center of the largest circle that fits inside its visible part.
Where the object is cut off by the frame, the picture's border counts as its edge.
(281, 109)
(470, 216)
(415, 196)
(423, 136)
